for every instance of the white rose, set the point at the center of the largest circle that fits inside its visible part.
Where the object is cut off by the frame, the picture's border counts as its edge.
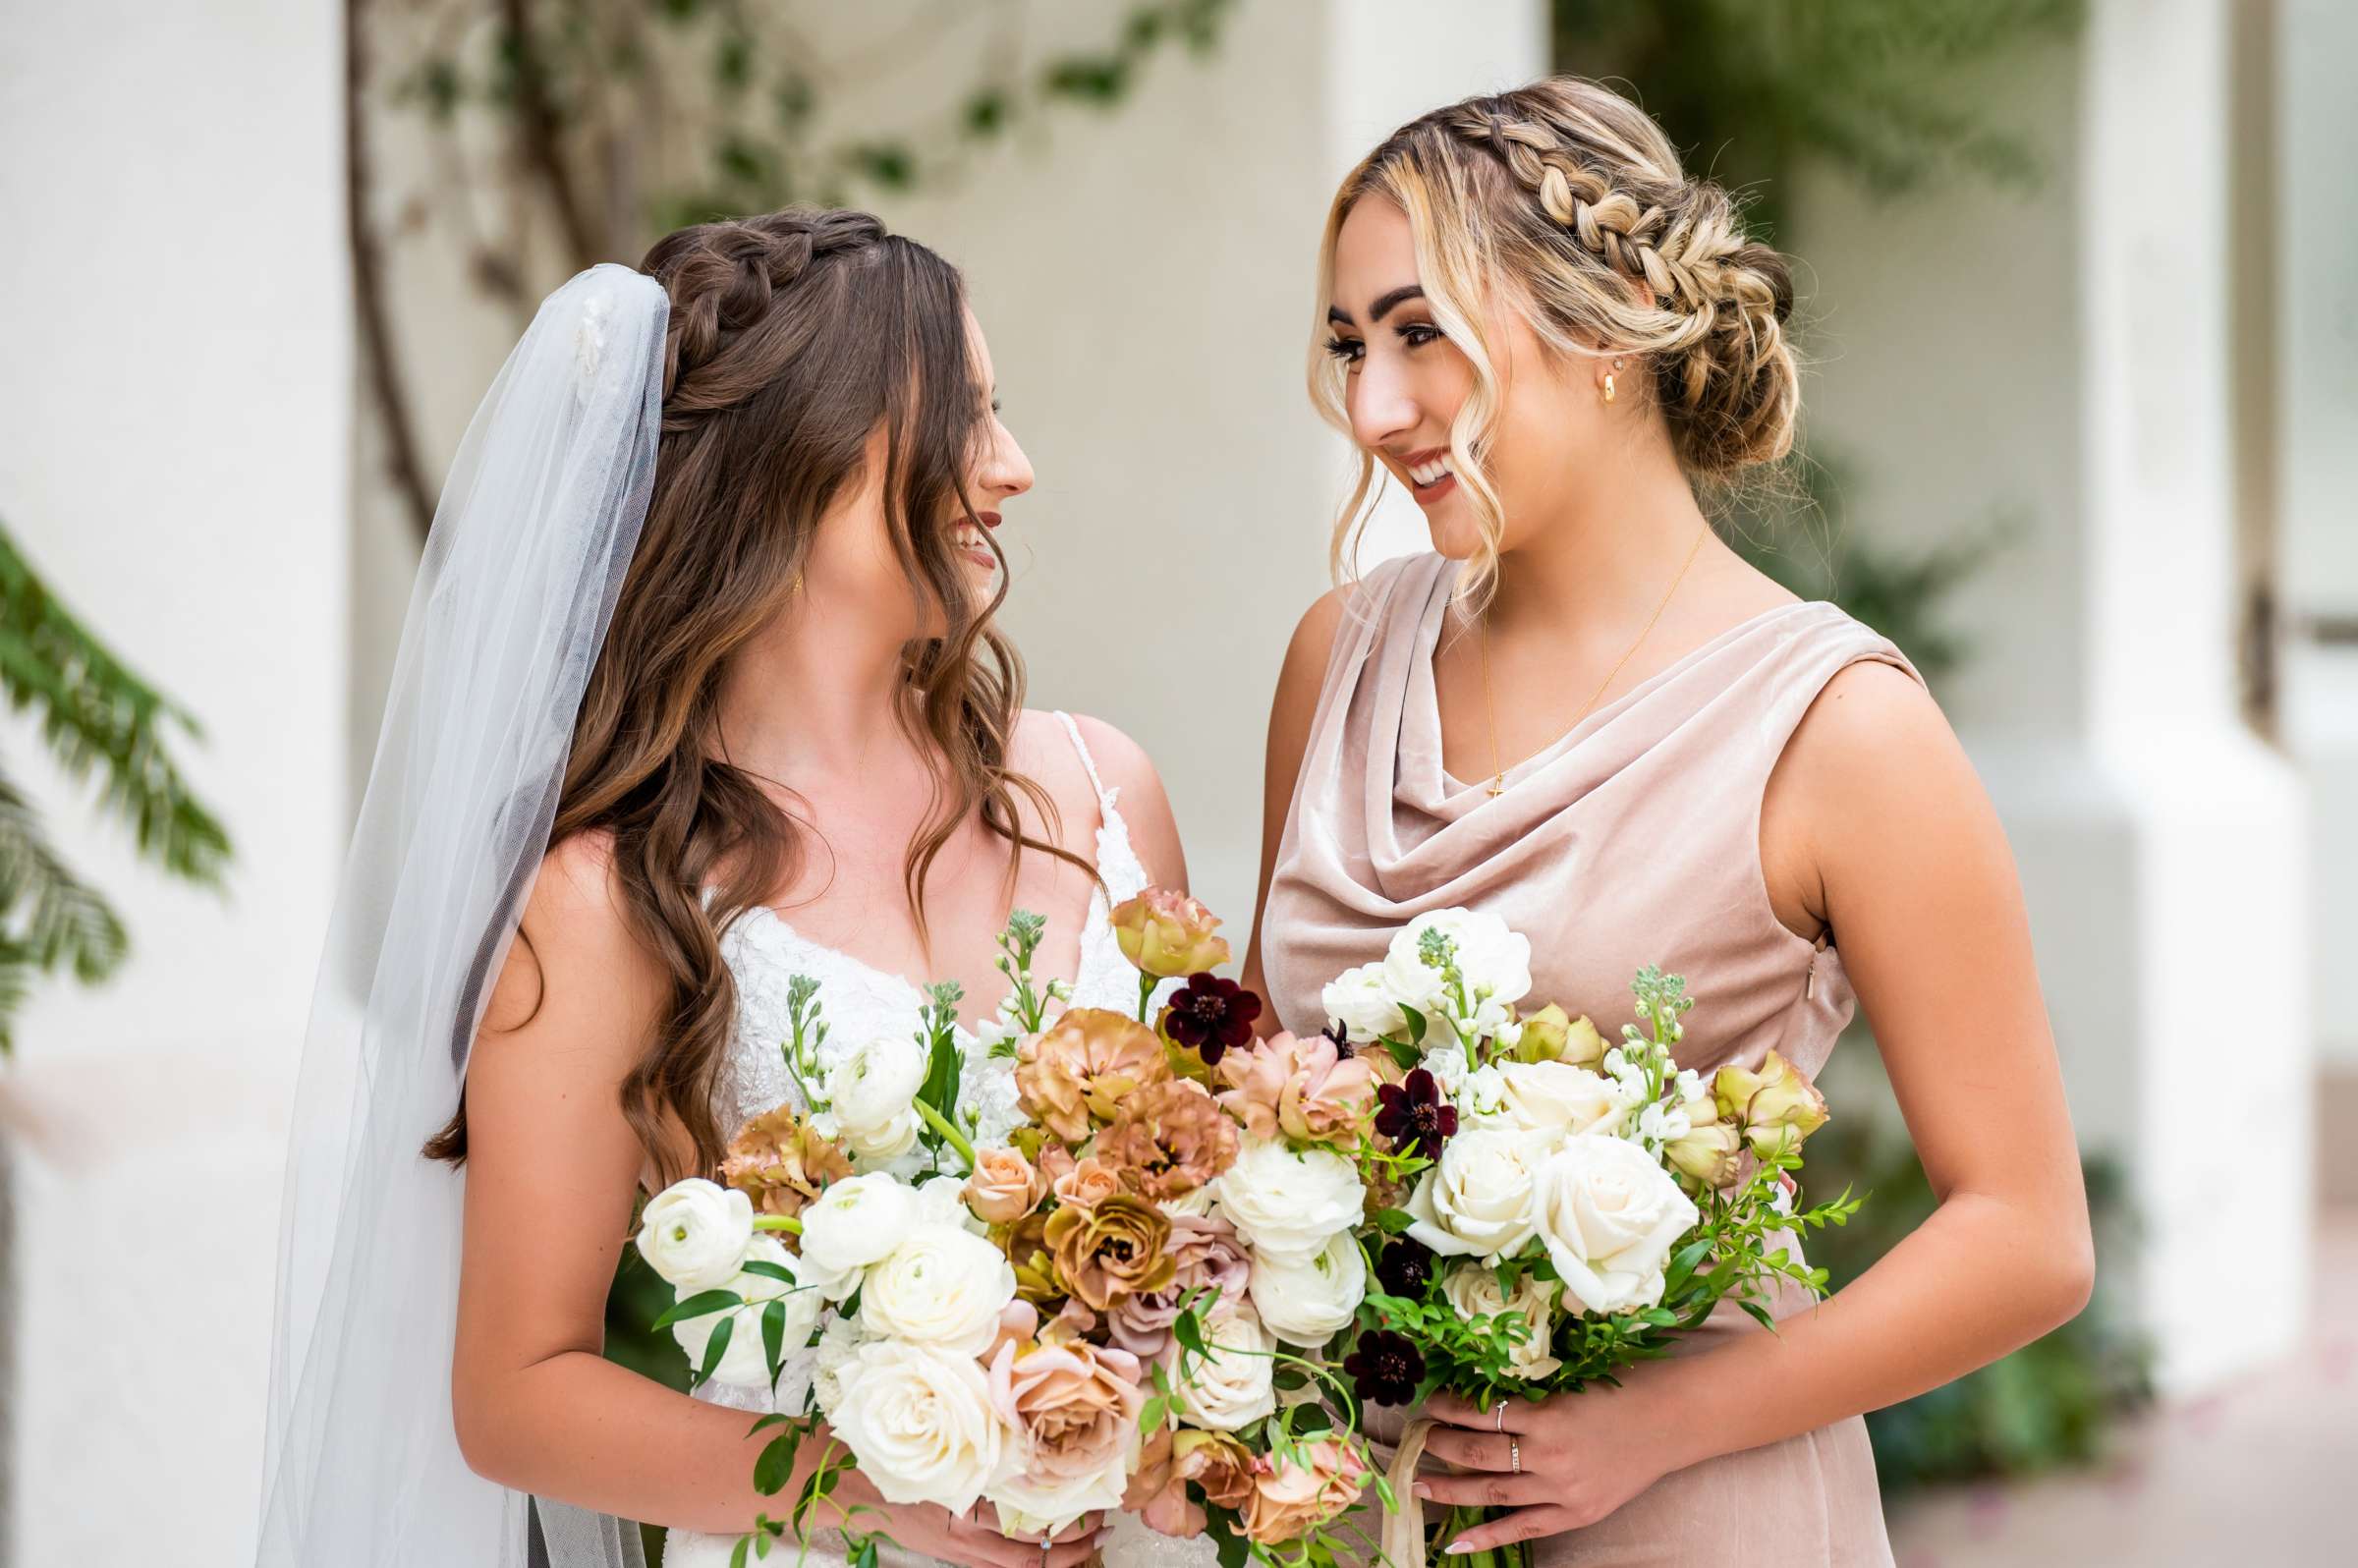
(1475, 1292)
(856, 1222)
(1309, 1300)
(695, 1232)
(1610, 1217)
(1288, 1201)
(1479, 1196)
(743, 1364)
(1234, 1385)
(870, 1093)
(944, 1285)
(1359, 1000)
(1558, 1098)
(920, 1421)
(1495, 960)
(1033, 1505)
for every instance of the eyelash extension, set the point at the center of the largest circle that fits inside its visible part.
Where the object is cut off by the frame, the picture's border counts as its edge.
(1347, 350)
(1419, 333)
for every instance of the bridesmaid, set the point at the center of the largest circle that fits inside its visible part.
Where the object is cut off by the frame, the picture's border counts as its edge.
(1584, 713)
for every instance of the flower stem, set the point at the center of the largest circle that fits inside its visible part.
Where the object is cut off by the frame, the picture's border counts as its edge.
(949, 1135)
(1146, 995)
(778, 1223)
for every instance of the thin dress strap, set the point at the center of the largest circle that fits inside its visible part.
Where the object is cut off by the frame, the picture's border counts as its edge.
(1104, 794)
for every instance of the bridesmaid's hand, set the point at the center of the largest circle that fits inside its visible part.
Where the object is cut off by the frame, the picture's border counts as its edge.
(1583, 1455)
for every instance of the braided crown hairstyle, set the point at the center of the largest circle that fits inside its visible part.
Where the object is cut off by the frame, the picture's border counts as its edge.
(1566, 201)
(792, 338)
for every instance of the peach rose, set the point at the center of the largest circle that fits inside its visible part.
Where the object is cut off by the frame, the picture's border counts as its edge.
(1291, 1500)
(1074, 1408)
(1003, 1187)
(1303, 1090)
(1167, 934)
(1073, 1076)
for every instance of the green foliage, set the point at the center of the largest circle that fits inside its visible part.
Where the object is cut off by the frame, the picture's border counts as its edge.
(98, 718)
(2047, 1405)
(1752, 89)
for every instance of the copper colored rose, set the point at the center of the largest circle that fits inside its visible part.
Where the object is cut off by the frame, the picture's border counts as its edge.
(780, 1162)
(1119, 1247)
(1169, 1140)
(1073, 1076)
(1204, 1252)
(1212, 1460)
(1299, 1089)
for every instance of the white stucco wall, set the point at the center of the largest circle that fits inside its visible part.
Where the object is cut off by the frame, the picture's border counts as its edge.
(175, 400)
(2062, 355)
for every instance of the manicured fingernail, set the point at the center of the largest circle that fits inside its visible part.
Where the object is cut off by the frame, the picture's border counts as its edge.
(1456, 1546)
(1422, 1490)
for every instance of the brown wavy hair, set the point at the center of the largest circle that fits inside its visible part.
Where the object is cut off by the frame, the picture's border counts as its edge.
(792, 338)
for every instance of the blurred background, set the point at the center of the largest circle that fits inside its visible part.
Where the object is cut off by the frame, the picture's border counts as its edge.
(2080, 288)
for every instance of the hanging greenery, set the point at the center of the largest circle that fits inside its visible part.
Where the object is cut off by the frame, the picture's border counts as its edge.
(99, 719)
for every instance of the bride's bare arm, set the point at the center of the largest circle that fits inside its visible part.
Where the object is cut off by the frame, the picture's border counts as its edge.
(551, 1172)
(1876, 825)
(1146, 807)
(1291, 709)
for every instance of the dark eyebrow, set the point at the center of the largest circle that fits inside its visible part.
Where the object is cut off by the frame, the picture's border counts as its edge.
(1383, 308)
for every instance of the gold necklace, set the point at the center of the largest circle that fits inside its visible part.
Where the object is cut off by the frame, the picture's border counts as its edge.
(1489, 700)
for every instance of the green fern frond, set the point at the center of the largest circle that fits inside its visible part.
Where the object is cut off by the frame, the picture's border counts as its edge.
(50, 919)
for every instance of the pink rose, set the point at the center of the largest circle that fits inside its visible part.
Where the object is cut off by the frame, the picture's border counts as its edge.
(1303, 1090)
(1290, 1500)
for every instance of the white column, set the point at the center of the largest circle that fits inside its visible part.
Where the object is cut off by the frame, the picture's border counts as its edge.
(2062, 357)
(176, 395)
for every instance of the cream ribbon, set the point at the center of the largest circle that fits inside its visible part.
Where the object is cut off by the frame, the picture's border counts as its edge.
(1404, 1526)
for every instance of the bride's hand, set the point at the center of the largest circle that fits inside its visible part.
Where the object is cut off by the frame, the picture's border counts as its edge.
(1557, 1465)
(967, 1539)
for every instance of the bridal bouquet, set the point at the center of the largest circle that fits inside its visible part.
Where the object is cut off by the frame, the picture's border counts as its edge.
(1565, 1207)
(1119, 1294)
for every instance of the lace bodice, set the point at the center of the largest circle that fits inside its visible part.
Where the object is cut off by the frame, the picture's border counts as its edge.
(764, 953)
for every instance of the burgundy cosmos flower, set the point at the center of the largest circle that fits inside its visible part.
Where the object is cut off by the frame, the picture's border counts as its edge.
(1404, 1268)
(1210, 1016)
(1413, 1115)
(1385, 1369)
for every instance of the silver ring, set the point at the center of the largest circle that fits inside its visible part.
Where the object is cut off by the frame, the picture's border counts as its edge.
(1514, 1456)
(1498, 1416)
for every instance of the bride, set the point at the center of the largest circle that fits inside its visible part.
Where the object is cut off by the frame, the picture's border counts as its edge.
(701, 690)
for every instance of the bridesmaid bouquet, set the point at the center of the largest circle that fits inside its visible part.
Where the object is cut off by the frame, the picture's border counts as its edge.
(1091, 1310)
(1559, 1208)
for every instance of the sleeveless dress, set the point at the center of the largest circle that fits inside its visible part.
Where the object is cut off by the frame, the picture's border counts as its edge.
(1633, 839)
(763, 954)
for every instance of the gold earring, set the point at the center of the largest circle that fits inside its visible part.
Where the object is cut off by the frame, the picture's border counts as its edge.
(1608, 386)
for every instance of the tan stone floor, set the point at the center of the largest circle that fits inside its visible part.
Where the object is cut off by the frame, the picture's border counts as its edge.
(2254, 1476)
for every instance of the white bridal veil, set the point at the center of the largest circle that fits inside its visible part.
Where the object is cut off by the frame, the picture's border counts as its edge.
(536, 529)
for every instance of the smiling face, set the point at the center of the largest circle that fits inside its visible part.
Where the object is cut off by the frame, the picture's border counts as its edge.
(1407, 378)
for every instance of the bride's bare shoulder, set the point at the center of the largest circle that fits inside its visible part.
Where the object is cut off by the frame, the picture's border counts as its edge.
(576, 952)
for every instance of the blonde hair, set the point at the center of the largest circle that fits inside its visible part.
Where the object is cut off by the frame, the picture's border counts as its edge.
(1565, 199)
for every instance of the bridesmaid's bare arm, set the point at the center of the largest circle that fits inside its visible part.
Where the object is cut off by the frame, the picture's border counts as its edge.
(551, 1171)
(1290, 712)
(1877, 826)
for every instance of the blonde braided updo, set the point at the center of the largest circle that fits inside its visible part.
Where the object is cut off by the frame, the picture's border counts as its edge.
(1565, 200)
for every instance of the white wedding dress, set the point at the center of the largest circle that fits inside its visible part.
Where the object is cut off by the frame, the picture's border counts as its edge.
(764, 953)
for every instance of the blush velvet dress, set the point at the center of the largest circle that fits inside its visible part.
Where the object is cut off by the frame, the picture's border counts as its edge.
(1633, 839)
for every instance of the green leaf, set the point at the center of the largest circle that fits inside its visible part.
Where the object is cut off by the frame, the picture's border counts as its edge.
(1392, 1221)
(770, 1271)
(715, 1349)
(1407, 1056)
(775, 1466)
(703, 1304)
(773, 1337)
(737, 1552)
(1684, 1263)
(1415, 1024)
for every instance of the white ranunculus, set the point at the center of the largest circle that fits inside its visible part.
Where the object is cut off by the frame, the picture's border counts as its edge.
(743, 1362)
(1495, 960)
(920, 1421)
(1610, 1217)
(944, 1285)
(694, 1233)
(856, 1222)
(941, 1201)
(1479, 1196)
(1307, 1302)
(871, 1090)
(1359, 1000)
(1559, 1099)
(1288, 1201)
(1234, 1385)
(1474, 1291)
